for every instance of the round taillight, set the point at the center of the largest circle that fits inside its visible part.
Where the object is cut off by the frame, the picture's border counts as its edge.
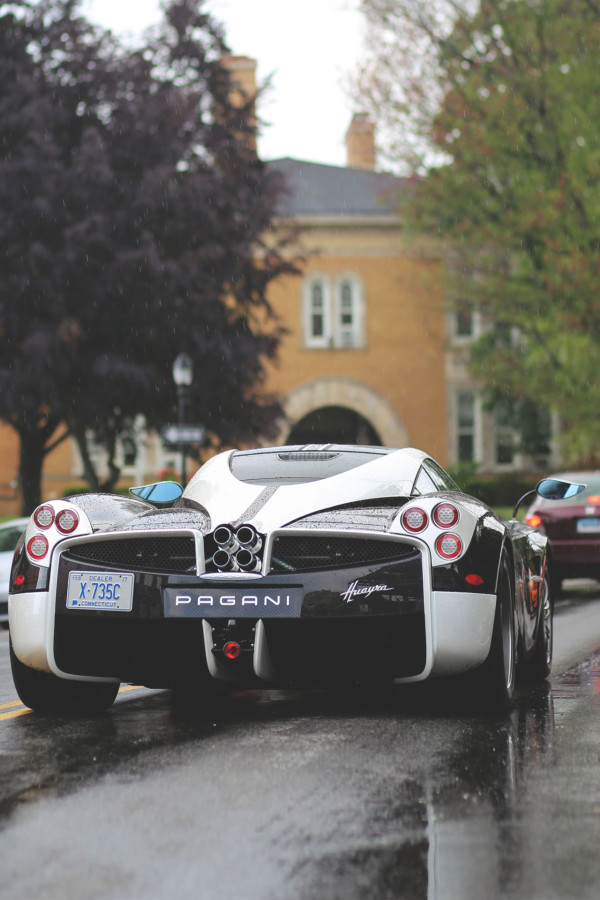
(37, 546)
(19, 580)
(448, 546)
(414, 519)
(43, 516)
(67, 521)
(445, 515)
(232, 650)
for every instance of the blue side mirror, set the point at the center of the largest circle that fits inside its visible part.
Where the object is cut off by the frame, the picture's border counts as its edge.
(551, 489)
(159, 493)
(554, 489)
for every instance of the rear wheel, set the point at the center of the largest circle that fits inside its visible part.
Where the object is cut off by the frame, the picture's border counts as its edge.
(497, 675)
(45, 692)
(539, 663)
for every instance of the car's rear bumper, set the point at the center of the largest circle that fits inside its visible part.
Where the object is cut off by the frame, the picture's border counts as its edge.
(375, 620)
(453, 636)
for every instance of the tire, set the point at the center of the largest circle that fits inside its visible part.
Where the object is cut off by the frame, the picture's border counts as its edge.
(497, 675)
(44, 692)
(539, 664)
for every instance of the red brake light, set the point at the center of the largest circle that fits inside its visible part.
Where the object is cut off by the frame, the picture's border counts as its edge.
(533, 520)
(43, 516)
(414, 519)
(232, 650)
(67, 521)
(19, 580)
(37, 546)
(445, 515)
(448, 546)
(594, 499)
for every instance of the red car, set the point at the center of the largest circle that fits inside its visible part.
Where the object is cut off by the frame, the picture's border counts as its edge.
(573, 527)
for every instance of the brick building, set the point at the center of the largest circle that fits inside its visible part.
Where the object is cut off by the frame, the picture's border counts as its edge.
(364, 357)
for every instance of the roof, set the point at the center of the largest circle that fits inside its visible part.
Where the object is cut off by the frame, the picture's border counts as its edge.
(318, 189)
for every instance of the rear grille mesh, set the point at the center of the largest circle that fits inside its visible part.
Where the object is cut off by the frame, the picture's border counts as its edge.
(156, 554)
(308, 553)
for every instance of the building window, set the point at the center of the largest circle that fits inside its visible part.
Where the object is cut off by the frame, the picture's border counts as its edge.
(465, 427)
(317, 320)
(333, 311)
(504, 439)
(347, 314)
(317, 310)
(463, 323)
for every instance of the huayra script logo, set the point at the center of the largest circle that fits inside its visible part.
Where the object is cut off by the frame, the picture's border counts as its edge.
(365, 591)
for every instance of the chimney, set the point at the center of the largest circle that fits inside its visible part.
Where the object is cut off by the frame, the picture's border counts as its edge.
(243, 80)
(360, 143)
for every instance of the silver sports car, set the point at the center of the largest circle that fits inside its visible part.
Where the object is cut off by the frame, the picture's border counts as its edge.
(308, 566)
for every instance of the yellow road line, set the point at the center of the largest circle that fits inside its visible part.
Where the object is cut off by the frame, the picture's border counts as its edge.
(16, 712)
(24, 710)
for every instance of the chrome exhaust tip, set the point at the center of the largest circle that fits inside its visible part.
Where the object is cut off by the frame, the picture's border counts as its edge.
(247, 561)
(224, 561)
(249, 538)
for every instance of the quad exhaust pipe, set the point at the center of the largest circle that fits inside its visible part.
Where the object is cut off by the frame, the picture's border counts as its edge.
(237, 550)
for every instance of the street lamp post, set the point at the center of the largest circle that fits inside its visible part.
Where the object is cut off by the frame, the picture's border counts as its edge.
(183, 375)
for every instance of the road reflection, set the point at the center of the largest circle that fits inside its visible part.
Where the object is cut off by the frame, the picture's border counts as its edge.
(454, 831)
(454, 823)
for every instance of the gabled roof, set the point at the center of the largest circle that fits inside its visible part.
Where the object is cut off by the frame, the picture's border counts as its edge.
(317, 189)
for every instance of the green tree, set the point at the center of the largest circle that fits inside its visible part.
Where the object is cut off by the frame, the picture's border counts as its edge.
(502, 103)
(133, 222)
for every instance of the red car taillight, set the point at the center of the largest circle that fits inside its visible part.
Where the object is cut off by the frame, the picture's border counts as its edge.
(67, 521)
(448, 546)
(414, 519)
(43, 516)
(533, 520)
(37, 546)
(445, 515)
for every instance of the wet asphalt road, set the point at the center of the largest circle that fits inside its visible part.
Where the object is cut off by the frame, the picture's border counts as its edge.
(311, 794)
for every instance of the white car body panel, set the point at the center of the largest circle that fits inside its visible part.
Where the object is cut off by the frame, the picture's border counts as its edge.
(373, 480)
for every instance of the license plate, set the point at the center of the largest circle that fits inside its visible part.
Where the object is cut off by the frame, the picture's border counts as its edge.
(233, 603)
(588, 526)
(100, 590)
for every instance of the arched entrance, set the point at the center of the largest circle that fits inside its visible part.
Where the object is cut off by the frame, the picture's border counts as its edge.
(358, 409)
(333, 425)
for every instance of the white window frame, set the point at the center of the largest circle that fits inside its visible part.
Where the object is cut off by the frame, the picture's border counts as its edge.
(347, 338)
(335, 333)
(476, 327)
(310, 339)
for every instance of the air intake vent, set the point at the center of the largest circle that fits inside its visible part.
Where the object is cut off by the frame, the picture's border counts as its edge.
(305, 553)
(155, 554)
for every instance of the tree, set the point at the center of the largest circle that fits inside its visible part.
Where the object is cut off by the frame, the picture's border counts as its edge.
(134, 223)
(505, 114)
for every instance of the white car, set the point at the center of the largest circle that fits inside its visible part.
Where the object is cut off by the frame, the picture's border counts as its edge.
(308, 565)
(10, 532)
